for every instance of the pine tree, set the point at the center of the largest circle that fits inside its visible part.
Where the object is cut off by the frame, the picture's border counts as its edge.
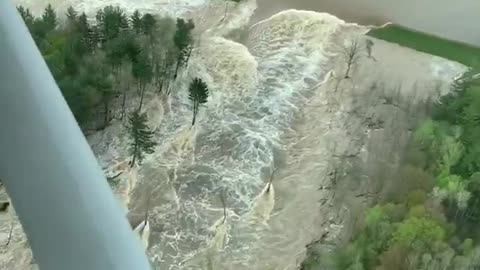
(77, 42)
(131, 46)
(141, 137)
(71, 22)
(71, 14)
(88, 34)
(142, 71)
(136, 20)
(96, 74)
(49, 18)
(111, 21)
(115, 53)
(148, 24)
(82, 24)
(198, 95)
(26, 15)
(160, 33)
(183, 40)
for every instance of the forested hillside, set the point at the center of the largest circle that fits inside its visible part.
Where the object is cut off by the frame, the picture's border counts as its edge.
(430, 218)
(105, 64)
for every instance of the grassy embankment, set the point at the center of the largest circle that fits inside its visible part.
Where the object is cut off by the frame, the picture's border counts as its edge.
(423, 42)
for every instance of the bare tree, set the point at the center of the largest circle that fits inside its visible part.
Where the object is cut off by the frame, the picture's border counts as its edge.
(351, 53)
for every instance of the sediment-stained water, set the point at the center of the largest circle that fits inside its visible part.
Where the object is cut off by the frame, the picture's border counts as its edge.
(256, 91)
(454, 20)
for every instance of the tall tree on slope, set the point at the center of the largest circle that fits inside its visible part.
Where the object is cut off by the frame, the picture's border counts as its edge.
(183, 40)
(26, 15)
(141, 137)
(142, 71)
(111, 21)
(49, 18)
(136, 21)
(198, 95)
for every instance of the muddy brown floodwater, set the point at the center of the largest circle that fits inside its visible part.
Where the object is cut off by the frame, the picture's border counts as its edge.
(451, 19)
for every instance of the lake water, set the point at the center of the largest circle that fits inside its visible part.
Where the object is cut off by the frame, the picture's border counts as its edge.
(451, 19)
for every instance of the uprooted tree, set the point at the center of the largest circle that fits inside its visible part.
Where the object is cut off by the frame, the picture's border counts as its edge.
(198, 95)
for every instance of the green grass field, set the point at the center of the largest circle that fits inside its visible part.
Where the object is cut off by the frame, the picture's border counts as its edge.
(463, 53)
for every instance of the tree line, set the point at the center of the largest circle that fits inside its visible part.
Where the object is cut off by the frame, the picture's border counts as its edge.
(104, 64)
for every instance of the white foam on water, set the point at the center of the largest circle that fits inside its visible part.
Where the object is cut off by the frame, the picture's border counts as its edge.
(155, 112)
(255, 92)
(128, 180)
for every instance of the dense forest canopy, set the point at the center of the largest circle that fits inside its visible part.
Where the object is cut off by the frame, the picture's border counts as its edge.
(103, 64)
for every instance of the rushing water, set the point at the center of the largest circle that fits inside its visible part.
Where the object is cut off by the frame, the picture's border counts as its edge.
(452, 19)
(255, 93)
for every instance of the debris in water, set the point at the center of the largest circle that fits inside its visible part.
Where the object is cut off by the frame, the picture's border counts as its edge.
(264, 203)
